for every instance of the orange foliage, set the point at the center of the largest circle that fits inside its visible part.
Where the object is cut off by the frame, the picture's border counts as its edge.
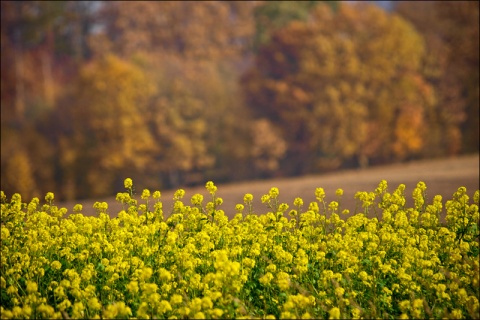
(329, 80)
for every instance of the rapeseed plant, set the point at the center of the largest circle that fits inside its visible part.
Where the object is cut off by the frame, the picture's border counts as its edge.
(385, 261)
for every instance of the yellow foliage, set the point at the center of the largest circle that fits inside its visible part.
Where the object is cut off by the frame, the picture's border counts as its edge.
(109, 119)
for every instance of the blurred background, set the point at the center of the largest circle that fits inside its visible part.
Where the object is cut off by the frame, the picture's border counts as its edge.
(175, 93)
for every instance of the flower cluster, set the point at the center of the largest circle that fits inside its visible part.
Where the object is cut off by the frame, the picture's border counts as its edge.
(308, 262)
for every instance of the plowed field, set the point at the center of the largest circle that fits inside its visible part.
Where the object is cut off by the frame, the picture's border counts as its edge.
(442, 176)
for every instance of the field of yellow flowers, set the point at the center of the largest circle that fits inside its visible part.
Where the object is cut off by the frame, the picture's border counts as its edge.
(298, 261)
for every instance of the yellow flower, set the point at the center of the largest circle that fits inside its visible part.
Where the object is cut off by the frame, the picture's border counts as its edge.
(5, 234)
(456, 314)
(356, 313)
(339, 192)
(248, 263)
(172, 237)
(333, 205)
(149, 288)
(153, 299)
(94, 304)
(132, 287)
(293, 213)
(334, 313)
(128, 183)
(418, 303)
(464, 246)
(210, 186)
(339, 292)
(79, 310)
(120, 198)
(32, 287)
(166, 288)
(118, 309)
(271, 268)
(17, 312)
(197, 199)
(247, 198)
(165, 275)
(265, 198)
(64, 305)
(178, 194)
(164, 307)
(283, 207)
(320, 194)
(86, 274)
(289, 304)
(404, 306)
(298, 202)
(49, 197)
(142, 311)
(146, 274)
(283, 281)
(216, 313)
(145, 194)
(273, 193)
(266, 278)
(206, 265)
(176, 299)
(27, 311)
(207, 303)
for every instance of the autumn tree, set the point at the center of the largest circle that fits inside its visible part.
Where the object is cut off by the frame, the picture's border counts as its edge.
(197, 118)
(27, 42)
(175, 118)
(184, 28)
(343, 86)
(34, 36)
(25, 162)
(451, 32)
(267, 148)
(109, 135)
(463, 38)
(273, 15)
(227, 135)
(201, 127)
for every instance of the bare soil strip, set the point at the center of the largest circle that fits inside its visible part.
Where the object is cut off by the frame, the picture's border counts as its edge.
(442, 177)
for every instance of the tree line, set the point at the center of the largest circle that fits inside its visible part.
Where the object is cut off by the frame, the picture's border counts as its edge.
(174, 93)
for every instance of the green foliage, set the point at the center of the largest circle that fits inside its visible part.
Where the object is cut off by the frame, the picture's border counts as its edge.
(273, 15)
